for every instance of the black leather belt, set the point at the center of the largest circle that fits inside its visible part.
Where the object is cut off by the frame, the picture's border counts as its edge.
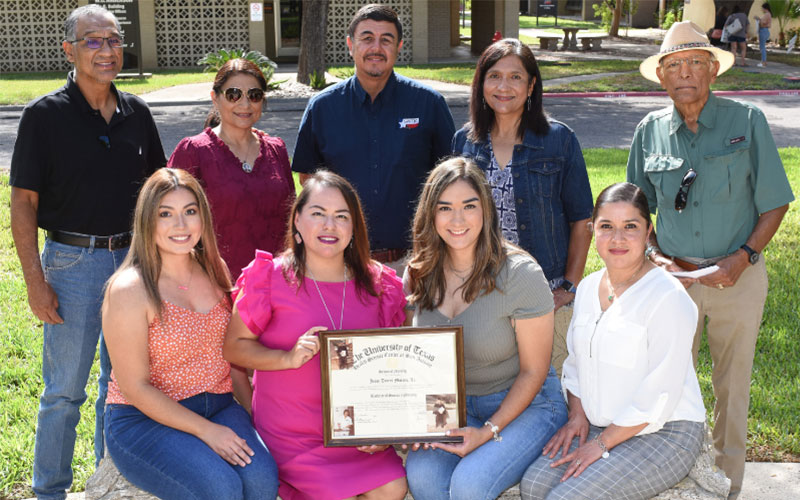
(113, 242)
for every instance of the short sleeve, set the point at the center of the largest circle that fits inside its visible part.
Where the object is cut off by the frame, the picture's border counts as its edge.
(525, 291)
(253, 292)
(771, 186)
(185, 158)
(392, 300)
(29, 159)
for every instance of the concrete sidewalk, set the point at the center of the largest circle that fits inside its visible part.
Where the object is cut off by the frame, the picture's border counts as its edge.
(762, 481)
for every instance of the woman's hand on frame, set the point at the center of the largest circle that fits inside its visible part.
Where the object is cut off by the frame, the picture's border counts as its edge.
(474, 437)
(306, 347)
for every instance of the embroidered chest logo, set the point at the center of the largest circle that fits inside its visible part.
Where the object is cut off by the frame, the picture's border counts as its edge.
(737, 139)
(409, 123)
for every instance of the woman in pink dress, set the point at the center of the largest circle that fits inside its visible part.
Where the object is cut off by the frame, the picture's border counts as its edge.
(244, 171)
(325, 279)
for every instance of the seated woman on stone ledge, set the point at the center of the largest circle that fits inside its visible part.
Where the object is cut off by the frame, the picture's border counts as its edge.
(636, 414)
(171, 423)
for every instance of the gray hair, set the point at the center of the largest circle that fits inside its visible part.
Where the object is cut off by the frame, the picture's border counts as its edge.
(91, 9)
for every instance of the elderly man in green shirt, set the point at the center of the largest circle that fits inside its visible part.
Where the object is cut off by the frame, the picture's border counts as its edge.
(711, 172)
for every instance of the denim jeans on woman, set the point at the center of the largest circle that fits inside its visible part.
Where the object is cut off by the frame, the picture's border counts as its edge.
(763, 36)
(77, 276)
(496, 465)
(173, 464)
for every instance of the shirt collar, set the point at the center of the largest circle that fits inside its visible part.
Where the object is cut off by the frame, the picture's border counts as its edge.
(387, 91)
(707, 116)
(77, 96)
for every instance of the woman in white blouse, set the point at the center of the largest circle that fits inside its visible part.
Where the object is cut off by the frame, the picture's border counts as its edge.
(636, 414)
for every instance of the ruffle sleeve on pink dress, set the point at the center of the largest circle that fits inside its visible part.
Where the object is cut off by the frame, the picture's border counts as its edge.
(253, 292)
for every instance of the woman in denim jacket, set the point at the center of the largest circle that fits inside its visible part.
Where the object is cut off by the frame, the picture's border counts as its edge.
(536, 170)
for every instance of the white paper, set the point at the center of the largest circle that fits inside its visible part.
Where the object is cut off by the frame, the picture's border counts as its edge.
(696, 274)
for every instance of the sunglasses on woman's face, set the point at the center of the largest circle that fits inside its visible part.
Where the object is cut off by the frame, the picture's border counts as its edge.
(683, 192)
(233, 94)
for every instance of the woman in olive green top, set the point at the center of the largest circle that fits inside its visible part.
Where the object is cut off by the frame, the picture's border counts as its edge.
(463, 273)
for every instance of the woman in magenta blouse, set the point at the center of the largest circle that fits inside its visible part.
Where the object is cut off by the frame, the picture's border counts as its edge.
(245, 172)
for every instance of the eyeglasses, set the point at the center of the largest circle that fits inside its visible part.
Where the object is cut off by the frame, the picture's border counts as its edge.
(683, 192)
(694, 64)
(233, 94)
(96, 42)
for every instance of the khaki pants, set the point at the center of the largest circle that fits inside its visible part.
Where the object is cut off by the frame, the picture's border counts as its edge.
(562, 318)
(734, 316)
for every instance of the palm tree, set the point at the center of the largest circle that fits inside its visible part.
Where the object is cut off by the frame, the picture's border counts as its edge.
(784, 11)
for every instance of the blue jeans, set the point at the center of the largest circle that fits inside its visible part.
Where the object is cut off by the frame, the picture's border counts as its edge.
(77, 276)
(495, 466)
(763, 36)
(172, 464)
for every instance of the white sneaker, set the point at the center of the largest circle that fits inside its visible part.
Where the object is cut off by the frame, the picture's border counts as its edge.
(760, 65)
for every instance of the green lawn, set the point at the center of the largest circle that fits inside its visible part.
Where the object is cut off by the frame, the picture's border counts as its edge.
(462, 73)
(19, 88)
(733, 79)
(547, 22)
(774, 429)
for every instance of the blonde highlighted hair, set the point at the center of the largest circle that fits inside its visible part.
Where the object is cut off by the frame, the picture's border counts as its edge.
(143, 255)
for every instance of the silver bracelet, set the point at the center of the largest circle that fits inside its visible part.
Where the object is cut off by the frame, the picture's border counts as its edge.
(601, 445)
(495, 431)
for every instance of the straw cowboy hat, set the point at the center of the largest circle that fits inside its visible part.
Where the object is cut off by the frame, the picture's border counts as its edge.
(682, 36)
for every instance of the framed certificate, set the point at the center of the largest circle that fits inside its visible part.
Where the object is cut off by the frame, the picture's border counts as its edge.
(392, 385)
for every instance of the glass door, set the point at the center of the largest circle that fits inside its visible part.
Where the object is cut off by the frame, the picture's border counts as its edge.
(288, 15)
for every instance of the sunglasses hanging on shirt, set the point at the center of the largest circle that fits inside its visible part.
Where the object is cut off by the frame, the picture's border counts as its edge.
(682, 198)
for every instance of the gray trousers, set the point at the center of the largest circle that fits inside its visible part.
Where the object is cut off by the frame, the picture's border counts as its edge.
(639, 468)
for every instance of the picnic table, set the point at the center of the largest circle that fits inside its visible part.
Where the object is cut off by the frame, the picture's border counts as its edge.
(570, 38)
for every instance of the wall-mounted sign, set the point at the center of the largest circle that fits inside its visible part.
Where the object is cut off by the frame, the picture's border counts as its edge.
(256, 12)
(127, 12)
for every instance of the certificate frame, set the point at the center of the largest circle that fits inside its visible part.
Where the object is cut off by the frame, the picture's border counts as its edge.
(409, 378)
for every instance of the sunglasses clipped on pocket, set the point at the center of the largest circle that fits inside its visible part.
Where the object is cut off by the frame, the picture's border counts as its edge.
(682, 198)
(233, 94)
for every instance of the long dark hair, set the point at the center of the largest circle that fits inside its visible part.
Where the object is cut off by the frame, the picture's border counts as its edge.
(231, 68)
(481, 116)
(356, 255)
(426, 268)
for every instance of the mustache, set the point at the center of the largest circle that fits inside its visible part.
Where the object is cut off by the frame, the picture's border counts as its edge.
(375, 54)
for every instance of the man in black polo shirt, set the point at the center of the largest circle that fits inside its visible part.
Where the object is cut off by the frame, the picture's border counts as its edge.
(80, 157)
(380, 130)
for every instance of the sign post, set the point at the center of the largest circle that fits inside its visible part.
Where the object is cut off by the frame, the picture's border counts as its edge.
(127, 12)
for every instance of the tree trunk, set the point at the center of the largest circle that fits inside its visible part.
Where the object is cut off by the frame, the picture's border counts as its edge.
(312, 39)
(614, 31)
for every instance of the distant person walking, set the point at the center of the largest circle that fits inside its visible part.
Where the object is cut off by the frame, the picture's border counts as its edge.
(738, 36)
(764, 24)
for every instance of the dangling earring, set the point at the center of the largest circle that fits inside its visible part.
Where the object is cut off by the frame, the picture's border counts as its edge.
(529, 102)
(484, 103)
(298, 238)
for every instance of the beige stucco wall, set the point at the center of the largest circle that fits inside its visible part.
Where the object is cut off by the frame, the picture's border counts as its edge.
(701, 12)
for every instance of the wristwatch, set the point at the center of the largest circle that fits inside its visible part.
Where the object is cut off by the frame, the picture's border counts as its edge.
(568, 286)
(753, 255)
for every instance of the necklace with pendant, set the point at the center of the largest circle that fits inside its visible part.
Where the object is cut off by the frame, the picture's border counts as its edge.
(247, 167)
(624, 285)
(325, 304)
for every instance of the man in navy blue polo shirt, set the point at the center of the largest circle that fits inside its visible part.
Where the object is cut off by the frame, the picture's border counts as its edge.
(381, 131)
